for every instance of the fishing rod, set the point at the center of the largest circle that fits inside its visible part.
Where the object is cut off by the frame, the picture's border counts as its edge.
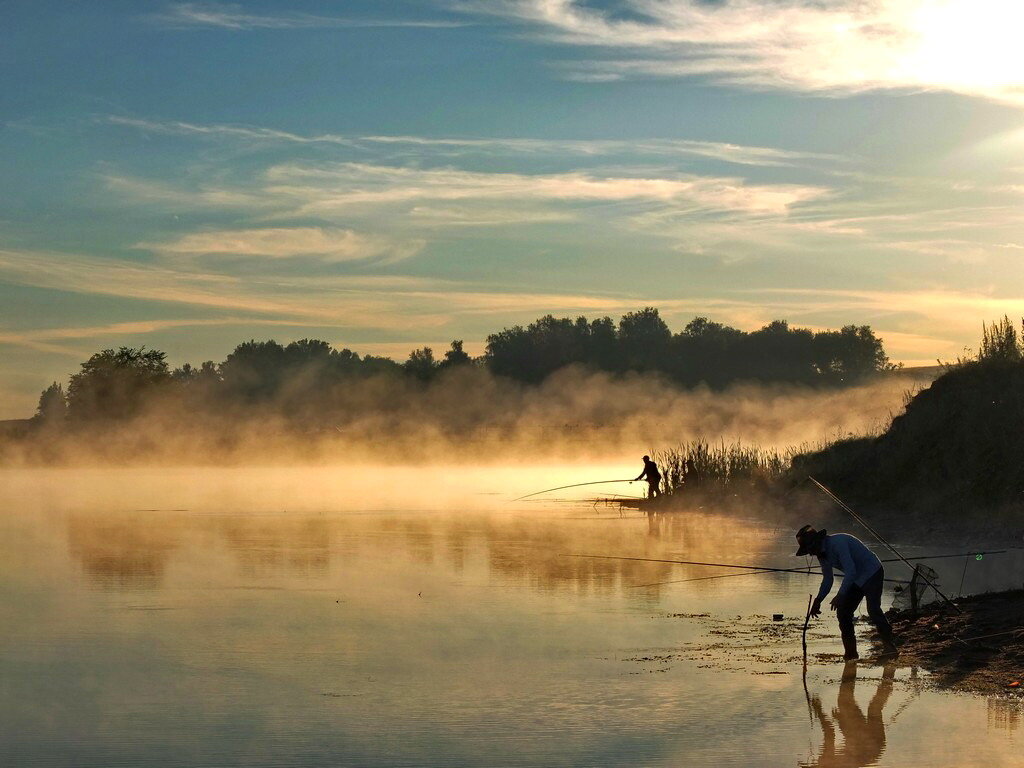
(754, 568)
(977, 554)
(758, 568)
(709, 578)
(575, 485)
(842, 505)
(750, 572)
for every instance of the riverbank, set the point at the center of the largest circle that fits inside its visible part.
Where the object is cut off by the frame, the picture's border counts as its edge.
(978, 650)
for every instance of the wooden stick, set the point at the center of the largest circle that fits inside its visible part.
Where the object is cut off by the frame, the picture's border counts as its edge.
(807, 620)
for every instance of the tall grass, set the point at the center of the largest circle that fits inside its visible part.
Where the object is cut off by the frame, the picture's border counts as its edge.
(699, 464)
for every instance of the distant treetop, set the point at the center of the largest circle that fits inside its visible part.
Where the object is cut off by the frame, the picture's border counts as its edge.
(308, 377)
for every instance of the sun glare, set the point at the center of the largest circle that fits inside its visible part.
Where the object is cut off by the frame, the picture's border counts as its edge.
(968, 44)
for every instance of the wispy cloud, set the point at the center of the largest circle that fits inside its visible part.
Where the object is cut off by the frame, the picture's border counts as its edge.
(964, 46)
(389, 303)
(722, 151)
(421, 186)
(234, 17)
(49, 339)
(328, 244)
(393, 304)
(327, 189)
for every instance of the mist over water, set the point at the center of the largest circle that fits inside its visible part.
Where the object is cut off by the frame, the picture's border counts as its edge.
(574, 414)
(411, 615)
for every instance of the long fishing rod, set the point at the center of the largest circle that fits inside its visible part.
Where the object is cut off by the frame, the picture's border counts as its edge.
(709, 578)
(879, 536)
(758, 568)
(955, 554)
(748, 573)
(575, 485)
(753, 568)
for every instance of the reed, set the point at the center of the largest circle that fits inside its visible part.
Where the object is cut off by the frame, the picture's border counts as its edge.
(700, 464)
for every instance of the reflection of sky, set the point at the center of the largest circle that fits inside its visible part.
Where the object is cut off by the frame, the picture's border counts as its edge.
(452, 637)
(384, 175)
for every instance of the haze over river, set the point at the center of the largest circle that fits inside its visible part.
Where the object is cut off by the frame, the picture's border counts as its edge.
(362, 616)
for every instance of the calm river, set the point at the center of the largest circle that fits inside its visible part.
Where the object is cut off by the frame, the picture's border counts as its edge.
(361, 616)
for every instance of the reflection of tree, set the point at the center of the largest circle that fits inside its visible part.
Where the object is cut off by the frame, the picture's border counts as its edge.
(121, 553)
(863, 735)
(131, 551)
(267, 546)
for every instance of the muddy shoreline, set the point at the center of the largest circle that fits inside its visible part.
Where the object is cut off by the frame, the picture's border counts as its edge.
(979, 649)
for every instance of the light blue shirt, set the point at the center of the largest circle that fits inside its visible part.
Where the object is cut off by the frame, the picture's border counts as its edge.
(849, 555)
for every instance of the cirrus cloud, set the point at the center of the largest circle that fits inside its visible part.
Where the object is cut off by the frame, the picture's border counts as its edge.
(329, 244)
(964, 46)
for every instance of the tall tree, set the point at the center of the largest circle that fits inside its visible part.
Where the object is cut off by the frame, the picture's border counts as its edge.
(114, 384)
(53, 405)
(644, 340)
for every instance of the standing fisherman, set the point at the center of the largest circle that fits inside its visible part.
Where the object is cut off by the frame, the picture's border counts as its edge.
(653, 478)
(863, 577)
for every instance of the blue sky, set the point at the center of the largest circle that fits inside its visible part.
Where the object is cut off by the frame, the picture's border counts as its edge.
(387, 175)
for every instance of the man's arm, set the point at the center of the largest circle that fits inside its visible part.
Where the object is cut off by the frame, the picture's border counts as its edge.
(826, 586)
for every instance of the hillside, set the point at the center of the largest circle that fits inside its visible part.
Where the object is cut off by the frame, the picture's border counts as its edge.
(959, 446)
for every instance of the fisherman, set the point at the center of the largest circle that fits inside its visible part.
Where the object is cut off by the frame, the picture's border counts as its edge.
(653, 477)
(863, 577)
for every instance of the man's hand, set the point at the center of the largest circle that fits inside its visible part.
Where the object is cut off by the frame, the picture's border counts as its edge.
(835, 602)
(816, 608)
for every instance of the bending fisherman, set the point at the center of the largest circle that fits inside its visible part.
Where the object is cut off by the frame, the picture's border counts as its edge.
(863, 578)
(653, 477)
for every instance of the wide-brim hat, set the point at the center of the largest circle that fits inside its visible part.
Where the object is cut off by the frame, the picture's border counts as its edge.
(807, 537)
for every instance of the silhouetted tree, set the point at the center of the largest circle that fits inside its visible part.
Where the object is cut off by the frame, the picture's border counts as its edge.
(703, 351)
(114, 384)
(197, 387)
(533, 353)
(421, 363)
(455, 356)
(706, 352)
(377, 366)
(601, 342)
(254, 370)
(777, 352)
(849, 354)
(53, 405)
(307, 381)
(644, 340)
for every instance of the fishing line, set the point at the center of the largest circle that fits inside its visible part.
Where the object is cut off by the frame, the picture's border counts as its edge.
(575, 485)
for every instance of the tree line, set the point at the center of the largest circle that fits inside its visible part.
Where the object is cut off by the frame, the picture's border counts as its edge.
(303, 378)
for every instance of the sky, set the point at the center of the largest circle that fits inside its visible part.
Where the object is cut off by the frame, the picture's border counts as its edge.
(385, 175)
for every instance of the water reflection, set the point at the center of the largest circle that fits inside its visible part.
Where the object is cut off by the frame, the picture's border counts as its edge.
(1004, 714)
(120, 552)
(267, 547)
(133, 550)
(863, 734)
(459, 636)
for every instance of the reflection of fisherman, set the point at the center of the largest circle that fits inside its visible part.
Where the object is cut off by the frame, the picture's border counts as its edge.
(863, 577)
(863, 737)
(653, 477)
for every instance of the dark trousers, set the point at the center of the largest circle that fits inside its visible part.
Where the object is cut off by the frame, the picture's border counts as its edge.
(653, 488)
(871, 593)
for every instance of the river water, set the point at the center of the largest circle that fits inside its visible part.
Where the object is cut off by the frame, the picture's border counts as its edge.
(364, 616)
